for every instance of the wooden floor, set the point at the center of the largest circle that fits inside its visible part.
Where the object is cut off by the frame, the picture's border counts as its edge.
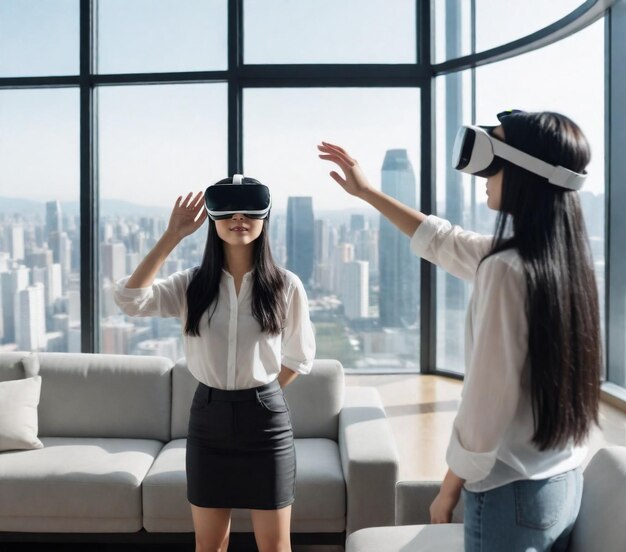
(420, 410)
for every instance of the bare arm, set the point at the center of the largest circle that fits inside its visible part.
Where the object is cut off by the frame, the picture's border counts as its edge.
(447, 499)
(182, 222)
(355, 183)
(286, 376)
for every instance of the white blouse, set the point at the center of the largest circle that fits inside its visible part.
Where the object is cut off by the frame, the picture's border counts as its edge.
(491, 437)
(233, 352)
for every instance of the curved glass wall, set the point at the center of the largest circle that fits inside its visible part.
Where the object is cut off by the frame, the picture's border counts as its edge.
(545, 79)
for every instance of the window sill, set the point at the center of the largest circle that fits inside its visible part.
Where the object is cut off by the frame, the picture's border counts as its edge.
(614, 395)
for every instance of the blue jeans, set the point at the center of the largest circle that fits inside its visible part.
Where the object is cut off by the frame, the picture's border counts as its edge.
(524, 516)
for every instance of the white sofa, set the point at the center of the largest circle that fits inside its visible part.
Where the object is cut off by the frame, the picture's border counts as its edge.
(112, 468)
(601, 523)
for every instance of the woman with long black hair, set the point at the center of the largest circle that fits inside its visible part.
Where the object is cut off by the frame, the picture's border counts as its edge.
(532, 342)
(247, 335)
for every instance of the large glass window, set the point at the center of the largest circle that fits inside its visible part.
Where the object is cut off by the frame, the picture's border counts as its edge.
(329, 31)
(39, 220)
(146, 36)
(155, 143)
(362, 280)
(38, 37)
(546, 79)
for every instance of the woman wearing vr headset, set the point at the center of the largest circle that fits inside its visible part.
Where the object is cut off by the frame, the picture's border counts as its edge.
(533, 347)
(247, 335)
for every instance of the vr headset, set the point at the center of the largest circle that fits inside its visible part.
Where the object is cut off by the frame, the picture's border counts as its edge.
(479, 153)
(238, 194)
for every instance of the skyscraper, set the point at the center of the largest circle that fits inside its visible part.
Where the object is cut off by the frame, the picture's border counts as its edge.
(113, 261)
(30, 317)
(13, 282)
(355, 293)
(300, 237)
(399, 284)
(53, 218)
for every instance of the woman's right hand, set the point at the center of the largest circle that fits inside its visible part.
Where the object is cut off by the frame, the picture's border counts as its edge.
(354, 181)
(187, 215)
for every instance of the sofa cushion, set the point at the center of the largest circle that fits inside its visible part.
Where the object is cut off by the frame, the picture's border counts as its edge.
(115, 396)
(14, 365)
(75, 485)
(18, 414)
(408, 538)
(315, 400)
(600, 524)
(320, 504)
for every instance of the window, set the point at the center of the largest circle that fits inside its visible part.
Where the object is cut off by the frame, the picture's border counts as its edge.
(329, 31)
(545, 79)
(38, 38)
(146, 36)
(155, 143)
(39, 220)
(364, 282)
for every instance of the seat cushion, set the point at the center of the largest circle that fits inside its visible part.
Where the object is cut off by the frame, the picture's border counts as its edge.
(320, 504)
(75, 485)
(408, 538)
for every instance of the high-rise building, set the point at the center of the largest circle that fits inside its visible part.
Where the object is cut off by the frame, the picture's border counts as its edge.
(53, 218)
(16, 241)
(50, 278)
(61, 247)
(355, 293)
(300, 237)
(342, 253)
(13, 282)
(113, 261)
(398, 269)
(278, 234)
(30, 317)
(357, 222)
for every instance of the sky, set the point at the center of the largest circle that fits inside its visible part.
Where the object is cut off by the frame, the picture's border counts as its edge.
(156, 142)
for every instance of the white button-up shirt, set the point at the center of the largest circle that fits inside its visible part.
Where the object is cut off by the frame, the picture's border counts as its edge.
(491, 437)
(232, 352)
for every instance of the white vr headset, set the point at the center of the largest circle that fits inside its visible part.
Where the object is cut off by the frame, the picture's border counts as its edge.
(477, 152)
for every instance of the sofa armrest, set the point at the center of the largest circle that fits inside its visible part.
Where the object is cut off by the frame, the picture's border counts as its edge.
(413, 500)
(369, 459)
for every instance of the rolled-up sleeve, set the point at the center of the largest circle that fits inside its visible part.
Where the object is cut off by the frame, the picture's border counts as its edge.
(492, 386)
(164, 298)
(298, 338)
(455, 250)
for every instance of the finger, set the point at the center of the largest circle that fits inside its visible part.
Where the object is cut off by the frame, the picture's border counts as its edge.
(197, 201)
(184, 203)
(343, 156)
(337, 178)
(346, 168)
(201, 218)
(177, 204)
(335, 147)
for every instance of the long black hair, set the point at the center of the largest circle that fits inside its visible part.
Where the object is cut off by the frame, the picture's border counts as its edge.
(545, 224)
(268, 302)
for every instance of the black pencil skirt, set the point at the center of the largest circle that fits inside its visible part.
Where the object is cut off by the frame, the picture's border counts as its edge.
(240, 449)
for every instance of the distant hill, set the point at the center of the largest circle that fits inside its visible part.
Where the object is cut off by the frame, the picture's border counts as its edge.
(109, 207)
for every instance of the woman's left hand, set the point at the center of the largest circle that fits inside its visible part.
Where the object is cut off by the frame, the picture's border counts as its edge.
(442, 507)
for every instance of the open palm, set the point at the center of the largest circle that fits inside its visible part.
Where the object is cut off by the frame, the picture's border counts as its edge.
(354, 181)
(187, 215)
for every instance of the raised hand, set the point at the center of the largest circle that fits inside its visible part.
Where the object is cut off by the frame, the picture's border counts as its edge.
(354, 181)
(187, 215)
